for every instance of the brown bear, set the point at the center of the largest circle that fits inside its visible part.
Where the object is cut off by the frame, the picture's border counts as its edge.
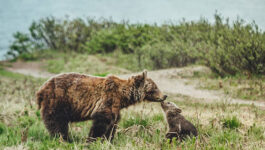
(179, 127)
(77, 97)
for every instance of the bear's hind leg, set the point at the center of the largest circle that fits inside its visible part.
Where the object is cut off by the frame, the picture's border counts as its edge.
(56, 123)
(57, 128)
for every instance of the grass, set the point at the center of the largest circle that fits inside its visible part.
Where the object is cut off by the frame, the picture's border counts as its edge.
(141, 127)
(59, 62)
(232, 123)
(5, 73)
(240, 86)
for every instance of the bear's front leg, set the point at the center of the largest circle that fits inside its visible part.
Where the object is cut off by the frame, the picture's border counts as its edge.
(101, 124)
(112, 129)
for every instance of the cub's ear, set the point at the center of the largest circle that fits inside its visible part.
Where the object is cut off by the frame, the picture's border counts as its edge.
(178, 110)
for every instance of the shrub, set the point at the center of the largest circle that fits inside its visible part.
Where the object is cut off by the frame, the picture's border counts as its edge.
(2, 128)
(102, 42)
(227, 48)
(22, 46)
(62, 35)
(231, 123)
(236, 49)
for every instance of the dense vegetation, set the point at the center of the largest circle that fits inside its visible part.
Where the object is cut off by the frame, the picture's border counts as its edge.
(227, 48)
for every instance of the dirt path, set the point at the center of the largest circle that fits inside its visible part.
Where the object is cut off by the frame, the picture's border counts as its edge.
(168, 80)
(34, 69)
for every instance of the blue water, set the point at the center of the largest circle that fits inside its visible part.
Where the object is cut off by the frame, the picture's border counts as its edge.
(17, 15)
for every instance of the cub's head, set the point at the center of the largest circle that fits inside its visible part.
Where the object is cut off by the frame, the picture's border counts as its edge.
(150, 91)
(170, 107)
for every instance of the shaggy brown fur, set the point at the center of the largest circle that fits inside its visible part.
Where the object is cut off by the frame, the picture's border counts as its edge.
(75, 97)
(179, 127)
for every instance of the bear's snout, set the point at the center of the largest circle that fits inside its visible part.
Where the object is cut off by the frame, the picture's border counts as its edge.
(164, 97)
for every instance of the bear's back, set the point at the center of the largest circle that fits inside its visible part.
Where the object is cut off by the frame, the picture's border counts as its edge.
(68, 84)
(68, 79)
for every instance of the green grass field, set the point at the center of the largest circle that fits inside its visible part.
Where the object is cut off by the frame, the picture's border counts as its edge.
(220, 125)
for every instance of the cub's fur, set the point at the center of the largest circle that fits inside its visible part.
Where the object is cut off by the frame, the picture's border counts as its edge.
(179, 127)
(76, 97)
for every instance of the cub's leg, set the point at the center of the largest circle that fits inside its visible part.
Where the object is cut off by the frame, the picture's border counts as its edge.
(171, 135)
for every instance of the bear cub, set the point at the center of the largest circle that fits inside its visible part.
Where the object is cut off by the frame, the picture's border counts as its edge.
(179, 127)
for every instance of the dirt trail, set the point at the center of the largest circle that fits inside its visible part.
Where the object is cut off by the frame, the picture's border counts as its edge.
(34, 69)
(168, 80)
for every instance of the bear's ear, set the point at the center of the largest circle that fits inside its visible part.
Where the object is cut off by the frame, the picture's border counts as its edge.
(144, 74)
(139, 80)
(109, 83)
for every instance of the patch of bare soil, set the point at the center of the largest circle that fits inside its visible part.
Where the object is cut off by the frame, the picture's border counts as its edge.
(34, 69)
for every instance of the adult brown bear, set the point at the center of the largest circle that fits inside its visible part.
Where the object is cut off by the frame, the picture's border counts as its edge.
(76, 97)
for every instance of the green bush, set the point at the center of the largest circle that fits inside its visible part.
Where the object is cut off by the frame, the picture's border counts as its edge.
(227, 48)
(21, 46)
(236, 49)
(102, 42)
(62, 35)
(231, 123)
(2, 128)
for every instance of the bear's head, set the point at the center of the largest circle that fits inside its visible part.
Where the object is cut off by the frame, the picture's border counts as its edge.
(150, 91)
(170, 107)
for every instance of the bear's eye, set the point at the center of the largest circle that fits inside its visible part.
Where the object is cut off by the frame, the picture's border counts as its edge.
(154, 91)
(151, 92)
